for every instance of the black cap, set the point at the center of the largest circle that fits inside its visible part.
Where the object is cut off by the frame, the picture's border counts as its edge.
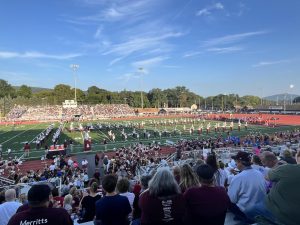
(205, 172)
(39, 193)
(242, 156)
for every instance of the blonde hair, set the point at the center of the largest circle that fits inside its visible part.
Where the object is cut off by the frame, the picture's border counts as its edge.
(187, 177)
(68, 199)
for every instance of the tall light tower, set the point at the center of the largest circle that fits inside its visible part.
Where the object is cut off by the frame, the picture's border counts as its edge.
(141, 70)
(74, 68)
(291, 87)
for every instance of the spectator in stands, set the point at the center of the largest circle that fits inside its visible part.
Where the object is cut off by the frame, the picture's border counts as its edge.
(57, 198)
(76, 197)
(207, 204)
(137, 212)
(113, 209)
(39, 213)
(284, 198)
(176, 173)
(163, 202)
(123, 189)
(9, 207)
(287, 157)
(220, 176)
(257, 164)
(247, 188)
(269, 160)
(88, 204)
(68, 203)
(187, 178)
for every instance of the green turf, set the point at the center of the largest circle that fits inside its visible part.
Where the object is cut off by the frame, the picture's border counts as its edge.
(13, 137)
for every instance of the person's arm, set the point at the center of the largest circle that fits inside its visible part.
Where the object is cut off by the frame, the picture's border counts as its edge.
(233, 190)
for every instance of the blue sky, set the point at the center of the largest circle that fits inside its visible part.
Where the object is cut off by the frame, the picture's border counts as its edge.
(211, 47)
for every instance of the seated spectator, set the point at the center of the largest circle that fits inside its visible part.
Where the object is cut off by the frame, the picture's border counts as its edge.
(257, 164)
(57, 198)
(163, 202)
(284, 198)
(113, 209)
(247, 188)
(187, 178)
(9, 207)
(68, 203)
(39, 213)
(88, 204)
(207, 204)
(287, 157)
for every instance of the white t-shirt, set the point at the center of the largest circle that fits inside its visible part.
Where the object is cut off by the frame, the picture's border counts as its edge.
(130, 197)
(84, 162)
(70, 162)
(7, 210)
(52, 167)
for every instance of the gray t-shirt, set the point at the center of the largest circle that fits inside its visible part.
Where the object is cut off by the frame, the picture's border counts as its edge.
(284, 198)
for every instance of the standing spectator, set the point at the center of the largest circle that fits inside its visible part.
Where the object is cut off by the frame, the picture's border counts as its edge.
(88, 204)
(57, 198)
(38, 198)
(220, 176)
(9, 207)
(247, 188)
(123, 189)
(187, 178)
(84, 164)
(113, 209)
(207, 204)
(163, 202)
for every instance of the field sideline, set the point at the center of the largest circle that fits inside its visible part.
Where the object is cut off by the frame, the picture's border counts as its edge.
(15, 136)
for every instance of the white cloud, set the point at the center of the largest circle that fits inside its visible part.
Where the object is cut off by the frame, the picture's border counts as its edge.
(141, 43)
(149, 62)
(190, 54)
(115, 60)
(98, 32)
(208, 10)
(228, 39)
(225, 49)
(37, 55)
(268, 63)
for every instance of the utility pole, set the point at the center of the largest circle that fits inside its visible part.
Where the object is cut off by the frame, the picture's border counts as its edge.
(142, 98)
(75, 67)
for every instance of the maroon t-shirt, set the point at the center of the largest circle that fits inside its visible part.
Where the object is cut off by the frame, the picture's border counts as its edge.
(157, 211)
(42, 216)
(206, 205)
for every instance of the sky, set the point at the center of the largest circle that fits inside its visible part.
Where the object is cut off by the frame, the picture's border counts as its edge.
(211, 47)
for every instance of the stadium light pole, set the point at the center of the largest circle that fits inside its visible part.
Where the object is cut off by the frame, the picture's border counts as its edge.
(141, 74)
(291, 87)
(74, 68)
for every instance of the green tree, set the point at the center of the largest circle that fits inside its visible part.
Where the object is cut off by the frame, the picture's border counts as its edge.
(62, 92)
(24, 91)
(6, 89)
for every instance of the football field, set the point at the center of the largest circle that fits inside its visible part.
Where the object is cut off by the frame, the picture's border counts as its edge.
(160, 130)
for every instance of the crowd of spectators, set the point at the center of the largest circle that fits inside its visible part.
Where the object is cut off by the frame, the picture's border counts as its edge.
(254, 188)
(56, 112)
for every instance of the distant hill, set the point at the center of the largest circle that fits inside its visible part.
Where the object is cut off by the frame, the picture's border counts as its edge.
(35, 89)
(281, 97)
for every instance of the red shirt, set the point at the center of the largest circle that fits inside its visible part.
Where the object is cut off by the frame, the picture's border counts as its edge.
(42, 216)
(206, 205)
(157, 211)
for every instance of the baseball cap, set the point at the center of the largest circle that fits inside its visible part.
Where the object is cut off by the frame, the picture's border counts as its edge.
(39, 193)
(242, 156)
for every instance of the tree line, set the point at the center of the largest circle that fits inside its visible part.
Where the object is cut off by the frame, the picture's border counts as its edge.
(179, 96)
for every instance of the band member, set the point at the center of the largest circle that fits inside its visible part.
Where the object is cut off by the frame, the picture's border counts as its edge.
(26, 149)
(239, 125)
(246, 125)
(231, 126)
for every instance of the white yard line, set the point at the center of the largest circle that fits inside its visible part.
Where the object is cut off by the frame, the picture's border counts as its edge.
(18, 134)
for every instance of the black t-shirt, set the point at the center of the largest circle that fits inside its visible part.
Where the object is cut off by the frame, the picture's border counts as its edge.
(89, 207)
(113, 210)
(42, 216)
